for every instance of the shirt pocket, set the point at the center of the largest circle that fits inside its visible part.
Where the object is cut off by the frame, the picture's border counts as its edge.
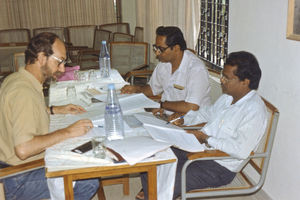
(228, 128)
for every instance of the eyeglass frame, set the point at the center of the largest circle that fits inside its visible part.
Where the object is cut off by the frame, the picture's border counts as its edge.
(60, 61)
(225, 79)
(156, 48)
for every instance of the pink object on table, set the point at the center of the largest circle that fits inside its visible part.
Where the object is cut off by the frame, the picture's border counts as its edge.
(69, 73)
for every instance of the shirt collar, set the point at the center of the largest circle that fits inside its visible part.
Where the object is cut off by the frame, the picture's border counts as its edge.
(246, 97)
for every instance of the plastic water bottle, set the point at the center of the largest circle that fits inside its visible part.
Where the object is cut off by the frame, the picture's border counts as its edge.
(104, 61)
(114, 127)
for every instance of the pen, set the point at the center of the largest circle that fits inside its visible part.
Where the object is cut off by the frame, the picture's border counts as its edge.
(98, 126)
(173, 120)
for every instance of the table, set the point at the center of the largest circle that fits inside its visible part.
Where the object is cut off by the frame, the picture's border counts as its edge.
(149, 165)
(93, 172)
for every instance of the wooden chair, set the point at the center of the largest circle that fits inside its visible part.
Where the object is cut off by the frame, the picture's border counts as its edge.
(18, 169)
(122, 37)
(244, 183)
(14, 37)
(60, 31)
(116, 27)
(128, 56)
(19, 61)
(139, 34)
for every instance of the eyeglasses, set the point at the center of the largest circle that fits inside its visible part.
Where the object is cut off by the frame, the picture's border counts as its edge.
(60, 61)
(159, 49)
(225, 79)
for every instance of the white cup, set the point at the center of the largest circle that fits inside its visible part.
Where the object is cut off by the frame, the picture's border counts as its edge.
(98, 147)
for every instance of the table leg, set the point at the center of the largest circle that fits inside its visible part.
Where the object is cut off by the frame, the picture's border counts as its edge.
(152, 184)
(69, 193)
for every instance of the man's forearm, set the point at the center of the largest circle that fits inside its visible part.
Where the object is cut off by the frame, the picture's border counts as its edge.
(146, 90)
(179, 106)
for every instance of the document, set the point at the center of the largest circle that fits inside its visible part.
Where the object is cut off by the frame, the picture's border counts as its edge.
(161, 131)
(135, 149)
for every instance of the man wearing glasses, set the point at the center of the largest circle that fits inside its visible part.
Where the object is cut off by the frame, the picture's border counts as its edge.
(24, 120)
(180, 76)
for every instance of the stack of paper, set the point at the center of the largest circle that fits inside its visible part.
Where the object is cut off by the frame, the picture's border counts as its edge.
(161, 131)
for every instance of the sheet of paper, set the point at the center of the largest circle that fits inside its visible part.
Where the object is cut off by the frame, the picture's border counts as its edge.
(161, 131)
(135, 149)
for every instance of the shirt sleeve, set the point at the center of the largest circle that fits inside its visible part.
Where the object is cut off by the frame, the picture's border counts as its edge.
(155, 82)
(197, 84)
(23, 118)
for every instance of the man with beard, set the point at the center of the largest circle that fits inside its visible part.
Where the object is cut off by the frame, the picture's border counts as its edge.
(24, 120)
(180, 76)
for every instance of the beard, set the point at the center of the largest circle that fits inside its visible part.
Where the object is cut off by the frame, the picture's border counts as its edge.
(48, 74)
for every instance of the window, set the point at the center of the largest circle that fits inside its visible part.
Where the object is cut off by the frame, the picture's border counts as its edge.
(213, 36)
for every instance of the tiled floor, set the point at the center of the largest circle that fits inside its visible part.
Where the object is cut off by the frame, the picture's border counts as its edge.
(115, 192)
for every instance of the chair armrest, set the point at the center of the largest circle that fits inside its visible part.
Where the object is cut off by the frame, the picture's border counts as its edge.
(22, 168)
(140, 73)
(207, 153)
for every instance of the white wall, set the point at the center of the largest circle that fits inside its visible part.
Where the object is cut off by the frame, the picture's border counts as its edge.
(259, 26)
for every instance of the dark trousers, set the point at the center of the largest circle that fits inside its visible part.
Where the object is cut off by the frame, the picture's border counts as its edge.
(200, 174)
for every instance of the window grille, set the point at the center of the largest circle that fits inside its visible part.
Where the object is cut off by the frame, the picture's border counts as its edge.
(213, 36)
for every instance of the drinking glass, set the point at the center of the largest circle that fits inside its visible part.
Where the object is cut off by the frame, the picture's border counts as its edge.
(98, 146)
(71, 92)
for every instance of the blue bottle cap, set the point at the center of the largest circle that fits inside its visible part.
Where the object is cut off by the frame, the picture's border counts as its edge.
(111, 86)
(103, 41)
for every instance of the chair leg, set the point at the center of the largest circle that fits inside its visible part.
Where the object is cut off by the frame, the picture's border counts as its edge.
(100, 193)
(119, 180)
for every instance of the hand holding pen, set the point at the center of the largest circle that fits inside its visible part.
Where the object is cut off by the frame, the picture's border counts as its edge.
(176, 119)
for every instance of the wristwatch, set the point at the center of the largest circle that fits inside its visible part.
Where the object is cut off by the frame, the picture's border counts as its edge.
(51, 110)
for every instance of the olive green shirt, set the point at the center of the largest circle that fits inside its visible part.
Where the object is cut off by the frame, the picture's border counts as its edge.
(23, 114)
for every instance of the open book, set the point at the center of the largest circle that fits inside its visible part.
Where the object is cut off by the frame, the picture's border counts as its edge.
(161, 131)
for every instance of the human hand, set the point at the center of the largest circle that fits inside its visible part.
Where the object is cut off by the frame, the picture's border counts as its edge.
(128, 89)
(201, 137)
(178, 122)
(68, 109)
(158, 111)
(79, 128)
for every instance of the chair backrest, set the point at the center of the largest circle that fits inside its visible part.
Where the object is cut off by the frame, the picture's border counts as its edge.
(101, 35)
(82, 35)
(139, 34)
(60, 31)
(7, 57)
(116, 27)
(128, 56)
(19, 61)
(122, 37)
(14, 37)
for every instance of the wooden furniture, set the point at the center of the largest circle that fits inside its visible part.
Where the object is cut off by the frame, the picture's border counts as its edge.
(18, 169)
(14, 37)
(139, 34)
(244, 182)
(122, 37)
(19, 61)
(128, 56)
(60, 31)
(93, 172)
(116, 27)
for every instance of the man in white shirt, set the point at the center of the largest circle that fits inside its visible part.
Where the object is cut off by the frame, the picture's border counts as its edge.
(234, 124)
(181, 77)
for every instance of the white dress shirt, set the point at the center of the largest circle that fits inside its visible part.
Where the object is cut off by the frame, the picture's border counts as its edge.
(188, 83)
(233, 128)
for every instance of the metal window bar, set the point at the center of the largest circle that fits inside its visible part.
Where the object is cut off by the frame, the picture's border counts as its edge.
(213, 37)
